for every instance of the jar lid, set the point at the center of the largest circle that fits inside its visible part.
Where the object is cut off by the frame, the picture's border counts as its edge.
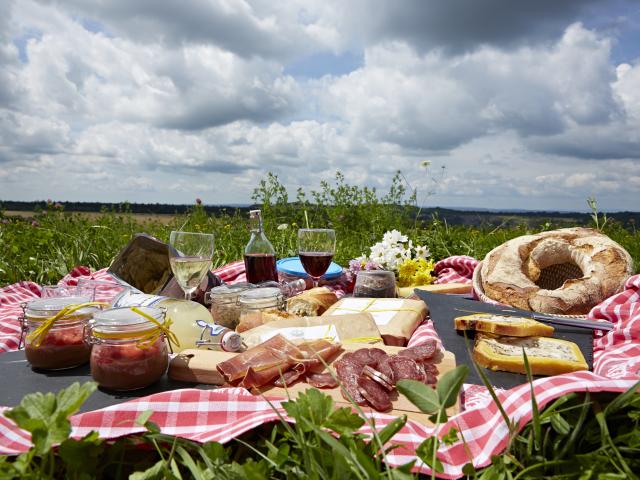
(230, 290)
(114, 322)
(261, 297)
(45, 307)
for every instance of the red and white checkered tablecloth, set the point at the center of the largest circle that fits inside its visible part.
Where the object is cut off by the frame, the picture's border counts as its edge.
(226, 413)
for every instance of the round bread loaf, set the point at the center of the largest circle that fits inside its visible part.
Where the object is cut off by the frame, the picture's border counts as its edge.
(566, 271)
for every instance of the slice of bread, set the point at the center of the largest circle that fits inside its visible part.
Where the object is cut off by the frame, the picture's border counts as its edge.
(547, 356)
(503, 325)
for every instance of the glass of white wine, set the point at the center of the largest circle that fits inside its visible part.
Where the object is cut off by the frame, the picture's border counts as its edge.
(190, 257)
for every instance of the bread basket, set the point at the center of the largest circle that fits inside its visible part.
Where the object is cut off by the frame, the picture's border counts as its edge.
(552, 278)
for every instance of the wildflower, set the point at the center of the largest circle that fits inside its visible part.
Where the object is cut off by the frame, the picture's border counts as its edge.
(198, 201)
(425, 163)
(35, 223)
(422, 251)
(58, 206)
(49, 201)
(5, 221)
(283, 226)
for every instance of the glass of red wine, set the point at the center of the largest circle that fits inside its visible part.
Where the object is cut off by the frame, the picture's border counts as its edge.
(316, 247)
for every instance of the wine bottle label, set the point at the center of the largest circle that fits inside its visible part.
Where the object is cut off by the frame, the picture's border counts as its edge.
(138, 300)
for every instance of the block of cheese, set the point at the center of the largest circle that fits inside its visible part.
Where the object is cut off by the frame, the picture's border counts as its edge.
(503, 325)
(547, 356)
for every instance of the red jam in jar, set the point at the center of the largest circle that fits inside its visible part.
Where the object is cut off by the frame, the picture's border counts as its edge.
(63, 345)
(129, 351)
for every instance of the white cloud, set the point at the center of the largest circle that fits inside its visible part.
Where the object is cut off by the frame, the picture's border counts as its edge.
(128, 100)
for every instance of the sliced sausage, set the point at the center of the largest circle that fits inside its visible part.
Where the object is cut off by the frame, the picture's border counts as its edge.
(406, 368)
(321, 380)
(375, 394)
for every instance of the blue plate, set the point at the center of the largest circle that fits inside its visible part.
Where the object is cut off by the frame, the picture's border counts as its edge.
(292, 266)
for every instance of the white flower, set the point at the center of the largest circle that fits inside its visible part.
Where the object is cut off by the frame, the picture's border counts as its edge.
(422, 251)
(393, 237)
(283, 226)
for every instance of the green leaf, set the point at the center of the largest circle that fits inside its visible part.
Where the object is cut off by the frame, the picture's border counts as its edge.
(312, 405)
(45, 416)
(622, 400)
(449, 385)
(422, 396)
(559, 424)
(155, 472)
(82, 456)
(451, 437)
(344, 421)
(426, 452)
(386, 434)
(143, 417)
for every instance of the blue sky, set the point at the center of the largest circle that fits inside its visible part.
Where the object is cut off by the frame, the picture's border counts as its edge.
(531, 105)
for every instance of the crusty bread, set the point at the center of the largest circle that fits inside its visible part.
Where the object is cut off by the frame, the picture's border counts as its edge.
(312, 303)
(566, 271)
(547, 356)
(503, 325)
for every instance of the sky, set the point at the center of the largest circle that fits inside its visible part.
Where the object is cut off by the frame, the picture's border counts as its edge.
(480, 104)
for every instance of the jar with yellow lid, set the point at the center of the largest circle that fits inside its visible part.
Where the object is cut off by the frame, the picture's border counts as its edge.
(129, 347)
(53, 332)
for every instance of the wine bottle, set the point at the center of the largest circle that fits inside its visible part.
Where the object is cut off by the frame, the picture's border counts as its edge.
(187, 317)
(259, 254)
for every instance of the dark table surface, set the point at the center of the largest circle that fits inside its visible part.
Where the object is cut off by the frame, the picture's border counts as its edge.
(444, 308)
(19, 379)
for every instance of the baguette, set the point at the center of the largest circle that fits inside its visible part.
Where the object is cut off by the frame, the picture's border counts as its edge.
(547, 356)
(503, 325)
(312, 303)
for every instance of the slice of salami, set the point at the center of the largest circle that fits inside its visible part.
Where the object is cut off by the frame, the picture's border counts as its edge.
(376, 376)
(421, 352)
(430, 368)
(430, 379)
(377, 354)
(406, 368)
(348, 373)
(375, 394)
(321, 380)
(384, 367)
(363, 357)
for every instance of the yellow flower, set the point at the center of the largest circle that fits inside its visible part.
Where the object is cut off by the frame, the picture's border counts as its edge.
(406, 271)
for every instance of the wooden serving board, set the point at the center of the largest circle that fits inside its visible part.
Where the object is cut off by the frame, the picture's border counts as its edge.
(199, 366)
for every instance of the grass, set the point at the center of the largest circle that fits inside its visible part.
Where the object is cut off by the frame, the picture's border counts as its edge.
(48, 244)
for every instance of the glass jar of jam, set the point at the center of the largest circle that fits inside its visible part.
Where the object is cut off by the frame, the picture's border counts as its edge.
(254, 302)
(62, 344)
(129, 351)
(225, 308)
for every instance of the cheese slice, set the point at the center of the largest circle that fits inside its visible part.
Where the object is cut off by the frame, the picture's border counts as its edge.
(503, 325)
(547, 356)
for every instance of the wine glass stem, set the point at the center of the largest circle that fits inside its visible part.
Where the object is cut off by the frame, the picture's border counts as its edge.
(315, 281)
(187, 295)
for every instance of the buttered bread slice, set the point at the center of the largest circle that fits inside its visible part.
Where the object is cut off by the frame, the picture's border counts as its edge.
(547, 356)
(503, 325)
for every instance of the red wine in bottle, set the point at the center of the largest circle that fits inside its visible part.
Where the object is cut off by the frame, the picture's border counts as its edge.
(315, 264)
(260, 267)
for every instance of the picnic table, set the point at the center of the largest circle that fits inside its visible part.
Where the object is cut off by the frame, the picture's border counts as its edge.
(222, 414)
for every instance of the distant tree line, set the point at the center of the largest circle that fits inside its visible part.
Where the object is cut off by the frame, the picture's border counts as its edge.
(630, 220)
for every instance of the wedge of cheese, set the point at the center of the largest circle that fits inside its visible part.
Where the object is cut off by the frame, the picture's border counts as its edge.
(547, 356)
(503, 325)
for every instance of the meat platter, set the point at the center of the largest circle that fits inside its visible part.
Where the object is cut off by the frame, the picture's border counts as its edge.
(363, 368)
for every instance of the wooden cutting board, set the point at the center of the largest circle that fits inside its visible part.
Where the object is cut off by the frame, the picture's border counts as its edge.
(199, 366)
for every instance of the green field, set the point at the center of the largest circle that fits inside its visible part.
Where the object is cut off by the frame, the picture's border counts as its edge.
(44, 245)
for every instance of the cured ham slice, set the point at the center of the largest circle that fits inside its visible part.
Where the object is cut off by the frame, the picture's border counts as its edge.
(290, 377)
(261, 364)
(321, 380)
(317, 353)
